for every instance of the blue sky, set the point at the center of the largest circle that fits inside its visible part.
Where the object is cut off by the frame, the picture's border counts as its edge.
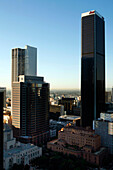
(54, 27)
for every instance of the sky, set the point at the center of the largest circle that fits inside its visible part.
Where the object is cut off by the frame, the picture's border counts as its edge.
(54, 28)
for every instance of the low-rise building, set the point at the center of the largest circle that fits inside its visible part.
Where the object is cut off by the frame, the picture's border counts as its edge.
(16, 152)
(70, 119)
(80, 137)
(80, 142)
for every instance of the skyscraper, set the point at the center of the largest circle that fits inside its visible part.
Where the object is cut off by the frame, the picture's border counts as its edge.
(92, 67)
(31, 109)
(30, 98)
(24, 62)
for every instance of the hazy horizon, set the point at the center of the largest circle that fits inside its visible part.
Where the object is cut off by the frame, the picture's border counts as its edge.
(54, 28)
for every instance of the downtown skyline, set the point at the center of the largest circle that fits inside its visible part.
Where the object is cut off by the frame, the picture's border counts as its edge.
(54, 28)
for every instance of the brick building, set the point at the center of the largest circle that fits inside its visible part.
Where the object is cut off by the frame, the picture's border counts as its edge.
(80, 142)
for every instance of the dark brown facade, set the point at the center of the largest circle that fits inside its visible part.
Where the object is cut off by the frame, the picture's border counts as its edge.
(80, 142)
(34, 110)
(67, 103)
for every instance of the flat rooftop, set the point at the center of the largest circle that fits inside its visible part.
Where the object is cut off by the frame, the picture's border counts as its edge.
(70, 117)
(18, 149)
(92, 12)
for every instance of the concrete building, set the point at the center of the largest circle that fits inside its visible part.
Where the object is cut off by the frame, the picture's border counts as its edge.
(80, 142)
(16, 152)
(92, 67)
(30, 109)
(104, 127)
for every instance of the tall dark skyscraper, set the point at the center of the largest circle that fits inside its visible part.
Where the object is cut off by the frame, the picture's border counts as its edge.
(31, 109)
(92, 67)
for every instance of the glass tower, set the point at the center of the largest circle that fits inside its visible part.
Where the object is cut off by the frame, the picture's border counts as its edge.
(31, 109)
(92, 67)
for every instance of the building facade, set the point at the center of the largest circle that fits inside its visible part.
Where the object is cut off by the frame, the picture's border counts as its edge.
(92, 67)
(80, 142)
(30, 109)
(67, 103)
(80, 137)
(24, 62)
(16, 152)
(104, 127)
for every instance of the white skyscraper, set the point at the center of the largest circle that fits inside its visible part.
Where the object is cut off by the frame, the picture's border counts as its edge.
(24, 62)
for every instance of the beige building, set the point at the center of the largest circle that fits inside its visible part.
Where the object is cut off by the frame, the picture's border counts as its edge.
(80, 137)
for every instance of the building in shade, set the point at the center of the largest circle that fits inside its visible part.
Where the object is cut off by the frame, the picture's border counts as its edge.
(112, 94)
(92, 67)
(1, 126)
(81, 142)
(3, 90)
(30, 109)
(67, 103)
(104, 127)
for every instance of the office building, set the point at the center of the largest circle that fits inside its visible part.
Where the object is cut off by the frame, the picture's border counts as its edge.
(16, 152)
(24, 62)
(80, 142)
(104, 127)
(67, 103)
(92, 67)
(55, 111)
(30, 109)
